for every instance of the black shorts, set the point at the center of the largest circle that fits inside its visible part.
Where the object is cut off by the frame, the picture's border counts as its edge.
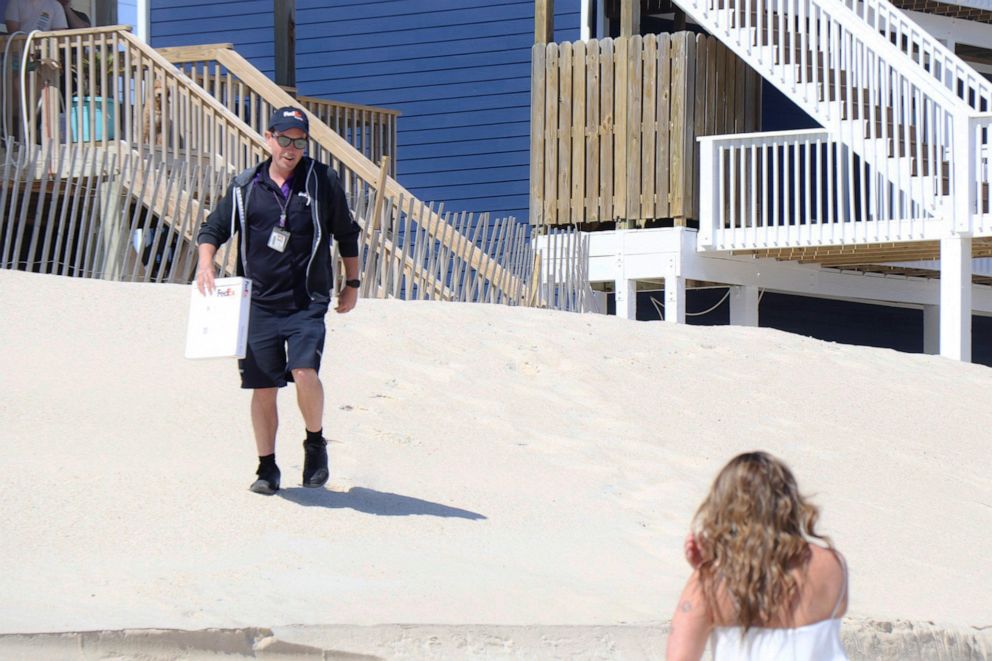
(267, 363)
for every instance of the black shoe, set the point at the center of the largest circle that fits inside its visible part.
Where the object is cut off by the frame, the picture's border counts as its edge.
(268, 480)
(315, 471)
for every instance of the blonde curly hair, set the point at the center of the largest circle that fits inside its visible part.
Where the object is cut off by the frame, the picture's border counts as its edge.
(752, 530)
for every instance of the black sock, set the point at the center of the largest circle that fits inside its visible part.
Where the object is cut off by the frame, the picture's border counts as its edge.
(268, 460)
(315, 436)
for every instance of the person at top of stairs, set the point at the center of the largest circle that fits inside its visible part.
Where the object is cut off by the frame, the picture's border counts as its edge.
(28, 15)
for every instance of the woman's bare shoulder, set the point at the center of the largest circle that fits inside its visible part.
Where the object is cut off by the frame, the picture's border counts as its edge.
(827, 562)
(827, 582)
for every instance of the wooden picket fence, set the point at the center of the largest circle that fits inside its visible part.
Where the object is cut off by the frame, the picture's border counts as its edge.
(614, 124)
(420, 265)
(88, 211)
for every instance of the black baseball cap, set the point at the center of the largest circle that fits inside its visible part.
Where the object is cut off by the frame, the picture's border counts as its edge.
(289, 117)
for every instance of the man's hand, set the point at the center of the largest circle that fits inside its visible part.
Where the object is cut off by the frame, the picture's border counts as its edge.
(205, 268)
(205, 279)
(347, 298)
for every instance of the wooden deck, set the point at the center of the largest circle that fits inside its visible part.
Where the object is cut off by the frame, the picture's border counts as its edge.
(868, 254)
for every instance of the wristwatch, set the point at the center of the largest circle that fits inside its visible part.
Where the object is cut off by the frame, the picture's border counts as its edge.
(353, 283)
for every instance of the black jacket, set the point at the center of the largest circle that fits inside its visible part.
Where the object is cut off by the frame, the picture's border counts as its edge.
(330, 216)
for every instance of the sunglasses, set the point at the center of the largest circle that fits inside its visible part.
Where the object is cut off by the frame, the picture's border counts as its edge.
(284, 141)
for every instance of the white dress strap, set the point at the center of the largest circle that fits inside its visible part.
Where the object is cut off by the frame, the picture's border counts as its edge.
(843, 589)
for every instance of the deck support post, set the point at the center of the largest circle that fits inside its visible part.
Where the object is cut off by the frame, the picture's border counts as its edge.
(630, 18)
(284, 24)
(544, 21)
(105, 12)
(674, 298)
(743, 306)
(626, 298)
(931, 329)
(955, 297)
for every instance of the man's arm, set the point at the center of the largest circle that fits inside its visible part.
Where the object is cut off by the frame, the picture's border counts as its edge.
(346, 232)
(216, 229)
(213, 233)
(58, 20)
(348, 296)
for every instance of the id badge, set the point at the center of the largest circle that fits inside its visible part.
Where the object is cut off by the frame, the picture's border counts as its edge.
(279, 239)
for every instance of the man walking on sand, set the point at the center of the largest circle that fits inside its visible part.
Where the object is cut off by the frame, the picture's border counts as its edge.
(285, 210)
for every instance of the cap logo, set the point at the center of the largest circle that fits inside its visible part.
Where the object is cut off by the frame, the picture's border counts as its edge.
(296, 114)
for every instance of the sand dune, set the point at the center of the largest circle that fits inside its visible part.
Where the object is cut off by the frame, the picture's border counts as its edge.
(490, 467)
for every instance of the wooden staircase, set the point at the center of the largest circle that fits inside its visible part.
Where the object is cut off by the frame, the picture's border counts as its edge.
(161, 143)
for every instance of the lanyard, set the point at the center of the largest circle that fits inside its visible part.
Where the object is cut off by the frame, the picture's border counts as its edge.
(282, 208)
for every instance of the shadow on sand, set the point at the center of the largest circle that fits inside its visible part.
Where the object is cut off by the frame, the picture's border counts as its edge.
(375, 502)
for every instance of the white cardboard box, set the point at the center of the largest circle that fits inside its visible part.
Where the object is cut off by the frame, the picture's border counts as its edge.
(218, 322)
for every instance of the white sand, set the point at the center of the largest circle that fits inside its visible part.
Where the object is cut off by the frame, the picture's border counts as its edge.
(490, 466)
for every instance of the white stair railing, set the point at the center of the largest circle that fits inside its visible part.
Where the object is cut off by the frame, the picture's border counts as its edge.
(979, 202)
(905, 126)
(923, 48)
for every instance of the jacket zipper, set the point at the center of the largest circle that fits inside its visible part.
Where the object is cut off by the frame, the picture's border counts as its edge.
(314, 217)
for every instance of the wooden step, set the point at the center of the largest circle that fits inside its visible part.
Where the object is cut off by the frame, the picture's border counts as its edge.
(904, 142)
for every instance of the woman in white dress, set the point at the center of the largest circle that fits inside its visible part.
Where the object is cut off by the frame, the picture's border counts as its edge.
(760, 587)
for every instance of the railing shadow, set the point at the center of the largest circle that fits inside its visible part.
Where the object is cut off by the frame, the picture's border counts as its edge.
(375, 502)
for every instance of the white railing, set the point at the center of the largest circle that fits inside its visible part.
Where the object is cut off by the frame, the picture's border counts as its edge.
(799, 188)
(923, 48)
(909, 141)
(979, 203)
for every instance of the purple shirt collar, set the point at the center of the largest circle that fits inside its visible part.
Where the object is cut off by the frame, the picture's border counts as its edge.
(287, 185)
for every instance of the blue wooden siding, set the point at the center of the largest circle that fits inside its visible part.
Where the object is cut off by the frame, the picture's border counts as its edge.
(245, 23)
(458, 70)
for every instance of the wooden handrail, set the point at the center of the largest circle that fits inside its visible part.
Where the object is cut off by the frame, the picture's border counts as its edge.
(246, 131)
(197, 53)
